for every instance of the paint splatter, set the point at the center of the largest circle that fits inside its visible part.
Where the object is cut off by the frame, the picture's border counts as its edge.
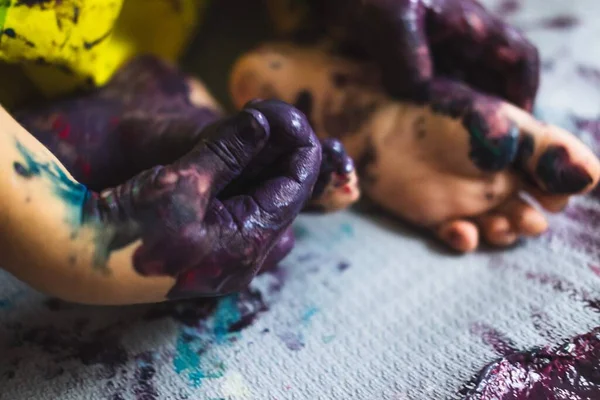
(508, 7)
(347, 229)
(560, 22)
(10, 32)
(214, 322)
(343, 265)
(309, 314)
(144, 386)
(569, 370)
(562, 285)
(96, 42)
(541, 323)
(328, 338)
(293, 341)
(590, 74)
(300, 231)
(32, 3)
(492, 337)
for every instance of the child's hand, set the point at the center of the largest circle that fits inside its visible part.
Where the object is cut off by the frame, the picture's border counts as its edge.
(184, 204)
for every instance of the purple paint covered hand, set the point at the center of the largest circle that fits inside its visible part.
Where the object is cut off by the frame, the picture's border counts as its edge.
(204, 200)
(415, 42)
(196, 224)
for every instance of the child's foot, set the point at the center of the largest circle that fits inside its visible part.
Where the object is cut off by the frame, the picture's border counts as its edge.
(455, 166)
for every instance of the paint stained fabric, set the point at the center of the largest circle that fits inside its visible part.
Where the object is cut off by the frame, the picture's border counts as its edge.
(363, 308)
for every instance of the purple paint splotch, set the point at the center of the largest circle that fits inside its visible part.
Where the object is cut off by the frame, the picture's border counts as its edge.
(590, 74)
(568, 371)
(144, 388)
(66, 334)
(562, 285)
(99, 347)
(576, 227)
(494, 338)
(294, 341)
(507, 7)
(542, 323)
(560, 22)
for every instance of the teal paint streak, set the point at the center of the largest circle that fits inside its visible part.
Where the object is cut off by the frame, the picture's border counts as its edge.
(479, 136)
(300, 231)
(225, 316)
(192, 349)
(5, 304)
(328, 339)
(308, 314)
(185, 358)
(347, 229)
(72, 193)
(189, 363)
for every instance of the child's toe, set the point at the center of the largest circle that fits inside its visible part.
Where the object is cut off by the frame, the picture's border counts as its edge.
(461, 235)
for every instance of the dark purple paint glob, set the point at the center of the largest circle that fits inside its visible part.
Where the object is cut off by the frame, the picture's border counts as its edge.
(559, 174)
(570, 371)
(555, 170)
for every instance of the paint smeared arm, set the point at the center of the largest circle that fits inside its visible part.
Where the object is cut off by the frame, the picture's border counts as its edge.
(42, 238)
(181, 230)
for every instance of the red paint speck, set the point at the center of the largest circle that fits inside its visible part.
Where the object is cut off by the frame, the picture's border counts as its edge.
(347, 189)
(187, 279)
(595, 269)
(62, 127)
(65, 132)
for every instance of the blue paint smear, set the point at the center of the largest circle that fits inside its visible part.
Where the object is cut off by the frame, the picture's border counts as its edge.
(225, 316)
(193, 342)
(328, 339)
(187, 360)
(300, 231)
(72, 193)
(308, 314)
(347, 229)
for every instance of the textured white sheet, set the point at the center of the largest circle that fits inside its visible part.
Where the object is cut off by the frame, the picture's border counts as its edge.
(366, 309)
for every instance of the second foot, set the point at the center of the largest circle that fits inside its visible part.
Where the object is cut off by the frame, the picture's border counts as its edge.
(456, 166)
